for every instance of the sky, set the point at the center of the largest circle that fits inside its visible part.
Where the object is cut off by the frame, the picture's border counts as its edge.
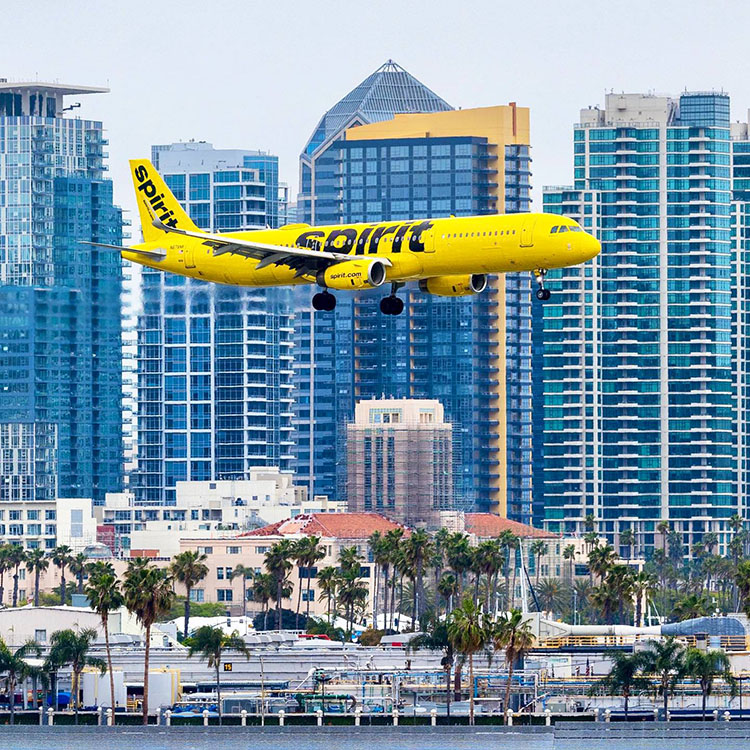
(259, 75)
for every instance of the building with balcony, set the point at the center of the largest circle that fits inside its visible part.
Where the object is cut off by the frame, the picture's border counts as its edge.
(214, 361)
(637, 389)
(60, 323)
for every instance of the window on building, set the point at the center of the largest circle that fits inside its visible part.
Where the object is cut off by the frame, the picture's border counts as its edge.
(76, 523)
(40, 636)
(206, 550)
(233, 550)
(220, 573)
(308, 596)
(223, 595)
(196, 595)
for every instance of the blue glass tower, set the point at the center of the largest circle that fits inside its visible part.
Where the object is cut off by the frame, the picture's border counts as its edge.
(637, 379)
(472, 354)
(60, 330)
(214, 361)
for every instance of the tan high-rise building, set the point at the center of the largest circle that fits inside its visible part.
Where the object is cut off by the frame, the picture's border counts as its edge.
(400, 460)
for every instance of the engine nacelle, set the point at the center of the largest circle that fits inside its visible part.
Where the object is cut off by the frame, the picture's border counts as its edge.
(353, 274)
(454, 286)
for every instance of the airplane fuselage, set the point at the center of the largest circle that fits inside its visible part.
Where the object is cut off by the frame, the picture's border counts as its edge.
(416, 249)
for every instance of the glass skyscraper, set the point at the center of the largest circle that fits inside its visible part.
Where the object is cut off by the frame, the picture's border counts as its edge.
(60, 330)
(436, 163)
(637, 380)
(214, 361)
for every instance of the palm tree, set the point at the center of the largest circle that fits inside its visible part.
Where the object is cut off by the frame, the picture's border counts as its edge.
(624, 677)
(77, 567)
(513, 634)
(189, 568)
(328, 580)
(469, 632)
(706, 666)
(351, 590)
(508, 545)
(244, 573)
(666, 661)
(690, 606)
(488, 560)
(211, 643)
(436, 638)
(601, 558)
(104, 595)
(538, 549)
(627, 540)
(264, 588)
(459, 556)
(418, 549)
(552, 594)
(13, 665)
(569, 554)
(307, 551)
(69, 647)
(447, 588)
(61, 557)
(4, 567)
(663, 528)
(392, 543)
(378, 552)
(16, 555)
(148, 595)
(36, 563)
(644, 584)
(278, 565)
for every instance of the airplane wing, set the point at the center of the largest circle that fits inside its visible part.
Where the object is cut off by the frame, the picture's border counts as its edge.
(303, 260)
(156, 252)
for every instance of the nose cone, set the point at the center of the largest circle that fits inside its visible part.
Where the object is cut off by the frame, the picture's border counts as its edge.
(589, 246)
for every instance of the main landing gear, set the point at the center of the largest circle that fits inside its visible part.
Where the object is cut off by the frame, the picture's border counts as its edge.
(324, 301)
(392, 305)
(541, 293)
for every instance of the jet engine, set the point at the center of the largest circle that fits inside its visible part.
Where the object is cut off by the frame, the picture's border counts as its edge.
(454, 286)
(353, 274)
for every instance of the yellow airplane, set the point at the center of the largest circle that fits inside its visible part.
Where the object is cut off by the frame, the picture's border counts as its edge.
(448, 257)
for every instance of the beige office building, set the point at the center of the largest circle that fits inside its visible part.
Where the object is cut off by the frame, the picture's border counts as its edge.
(400, 460)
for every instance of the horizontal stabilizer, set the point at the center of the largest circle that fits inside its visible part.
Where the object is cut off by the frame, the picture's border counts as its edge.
(156, 252)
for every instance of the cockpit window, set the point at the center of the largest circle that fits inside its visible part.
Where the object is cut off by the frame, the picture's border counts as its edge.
(562, 229)
(553, 230)
(575, 229)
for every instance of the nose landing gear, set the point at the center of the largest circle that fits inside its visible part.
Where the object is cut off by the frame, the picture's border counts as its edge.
(324, 301)
(541, 293)
(392, 305)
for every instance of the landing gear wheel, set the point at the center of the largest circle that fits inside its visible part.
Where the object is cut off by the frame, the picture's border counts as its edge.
(541, 293)
(391, 305)
(324, 301)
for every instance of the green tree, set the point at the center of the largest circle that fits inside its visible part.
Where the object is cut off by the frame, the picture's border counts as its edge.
(512, 634)
(569, 554)
(666, 661)
(393, 540)
(278, 564)
(742, 579)
(690, 606)
(244, 573)
(538, 549)
(211, 644)
(264, 588)
(706, 666)
(4, 568)
(36, 563)
(351, 589)
(104, 595)
(644, 584)
(508, 546)
(69, 647)
(16, 556)
(601, 558)
(77, 567)
(189, 568)
(13, 665)
(623, 679)
(627, 540)
(61, 557)
(459, 556)
(469, 631)
(307, 551)
(448, 588)
(328, 580)
(553, 594)
(418, 549)
(488, 561)
(148, 595)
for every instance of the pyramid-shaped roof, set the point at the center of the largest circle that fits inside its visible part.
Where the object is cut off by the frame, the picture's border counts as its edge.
(388, 91)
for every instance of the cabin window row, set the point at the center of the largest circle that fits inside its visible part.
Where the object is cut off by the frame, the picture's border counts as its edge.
(479, 234)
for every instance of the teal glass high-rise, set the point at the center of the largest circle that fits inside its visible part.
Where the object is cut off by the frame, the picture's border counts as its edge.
(60, 322)
(636, 421)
